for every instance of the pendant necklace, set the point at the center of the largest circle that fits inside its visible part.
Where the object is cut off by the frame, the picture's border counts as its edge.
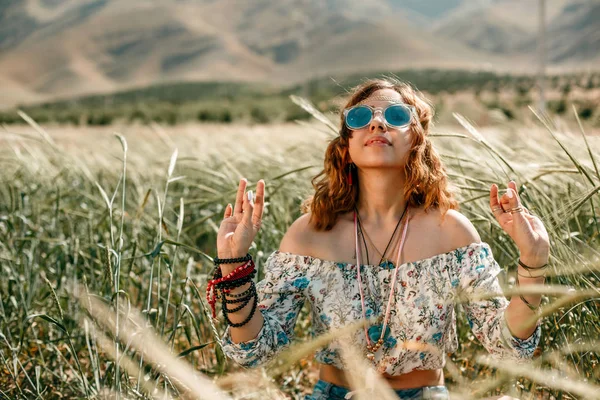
(383, 260)
(372, 348)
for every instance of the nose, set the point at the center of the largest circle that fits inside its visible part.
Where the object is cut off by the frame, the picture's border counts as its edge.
(377, 123)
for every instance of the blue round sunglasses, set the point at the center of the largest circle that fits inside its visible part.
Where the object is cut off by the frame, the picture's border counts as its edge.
(397, 115)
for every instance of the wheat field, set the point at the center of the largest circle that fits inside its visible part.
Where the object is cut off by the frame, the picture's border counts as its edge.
(106, 236)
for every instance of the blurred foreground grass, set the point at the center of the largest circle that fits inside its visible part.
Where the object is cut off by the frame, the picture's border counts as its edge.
(100, 213)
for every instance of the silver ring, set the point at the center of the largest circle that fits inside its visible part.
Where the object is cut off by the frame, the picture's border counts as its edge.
(516, 210)
(494, 209)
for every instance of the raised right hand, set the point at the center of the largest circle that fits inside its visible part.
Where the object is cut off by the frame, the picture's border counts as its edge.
(240, 224)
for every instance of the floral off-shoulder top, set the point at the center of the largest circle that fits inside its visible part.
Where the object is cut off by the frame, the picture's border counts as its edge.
(422, 312)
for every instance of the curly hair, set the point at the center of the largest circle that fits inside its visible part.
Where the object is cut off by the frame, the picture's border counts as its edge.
(426, 179)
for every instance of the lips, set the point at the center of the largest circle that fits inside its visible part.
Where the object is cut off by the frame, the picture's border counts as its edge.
(380, 140)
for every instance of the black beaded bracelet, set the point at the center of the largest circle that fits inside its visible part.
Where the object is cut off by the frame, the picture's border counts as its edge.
(241, 299)
(249, 293)
(236, 283)
(243, 294)
(238, 308)
(219, 261)
(248, 318)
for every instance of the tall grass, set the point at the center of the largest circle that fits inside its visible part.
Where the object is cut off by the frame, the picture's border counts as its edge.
(95, 226)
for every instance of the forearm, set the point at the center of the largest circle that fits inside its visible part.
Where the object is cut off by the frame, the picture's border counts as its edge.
(518, 312)
(251, 329)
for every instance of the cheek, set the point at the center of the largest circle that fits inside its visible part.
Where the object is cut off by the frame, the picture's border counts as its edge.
(354, 146)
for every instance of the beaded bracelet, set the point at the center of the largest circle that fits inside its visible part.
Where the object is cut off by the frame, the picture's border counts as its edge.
(238, 308)
(236, 282)
(241, 271)
(211, 296)
(248, 318)
(239, 276)
(219, 261)
(243, 294)
(243, 281)
(240, 300)
(248, 293)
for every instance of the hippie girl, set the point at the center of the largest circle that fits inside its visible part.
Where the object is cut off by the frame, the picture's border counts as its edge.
(380, 240)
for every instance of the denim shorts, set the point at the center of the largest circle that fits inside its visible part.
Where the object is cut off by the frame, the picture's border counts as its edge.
(328, 391)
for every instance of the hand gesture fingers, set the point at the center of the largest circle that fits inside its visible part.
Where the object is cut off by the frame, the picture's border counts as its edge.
(241, 222)
(508, 209)
(253, 207)
(497, 209)
(259, 205)
(239, 198)
(228, 211)
(527, 230)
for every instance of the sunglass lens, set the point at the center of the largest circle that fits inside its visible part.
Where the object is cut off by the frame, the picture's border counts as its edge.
(397, 115)
(358, 117)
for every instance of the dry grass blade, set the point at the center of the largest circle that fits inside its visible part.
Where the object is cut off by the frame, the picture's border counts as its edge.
(104, 196)
(180, 217)
(123, 142)
(587, 145)
(469, 127)
(37, 128)
(362, 377)
(558, 304)
(172, 163)
(547, 124)
(549, 290)
(312, 110)
(551, 378)
(128, 364)
(301, 350)
(147, 343)
(251, 384)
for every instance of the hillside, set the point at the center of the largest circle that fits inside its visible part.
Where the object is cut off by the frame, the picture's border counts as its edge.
(61, 48)
(573, 29)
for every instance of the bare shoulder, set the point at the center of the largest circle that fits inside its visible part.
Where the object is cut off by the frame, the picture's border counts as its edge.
(299, 238)
(452, 229)
(458, 230)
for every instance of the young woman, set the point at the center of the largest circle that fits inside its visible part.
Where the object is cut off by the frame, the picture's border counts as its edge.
(381, 240)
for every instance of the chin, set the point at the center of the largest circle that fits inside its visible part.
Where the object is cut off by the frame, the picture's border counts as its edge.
(382, 164)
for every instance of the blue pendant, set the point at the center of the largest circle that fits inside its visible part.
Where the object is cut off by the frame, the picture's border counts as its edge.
(375, 332)
(387, 264)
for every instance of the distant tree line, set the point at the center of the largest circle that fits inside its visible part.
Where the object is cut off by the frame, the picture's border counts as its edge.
(226, 102)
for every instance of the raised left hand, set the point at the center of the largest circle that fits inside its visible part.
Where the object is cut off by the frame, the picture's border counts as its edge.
(526, 230)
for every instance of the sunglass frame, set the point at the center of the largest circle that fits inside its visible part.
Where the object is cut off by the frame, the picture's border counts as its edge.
(410, 107)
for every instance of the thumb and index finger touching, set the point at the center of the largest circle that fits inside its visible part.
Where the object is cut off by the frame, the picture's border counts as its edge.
(509, 202)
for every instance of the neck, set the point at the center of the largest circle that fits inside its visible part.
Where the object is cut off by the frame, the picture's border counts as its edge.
(381, 195)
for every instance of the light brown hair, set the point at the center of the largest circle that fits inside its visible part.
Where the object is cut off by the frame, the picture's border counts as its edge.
(426, 178)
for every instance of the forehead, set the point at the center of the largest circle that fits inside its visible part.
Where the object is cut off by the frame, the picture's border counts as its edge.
(382, 97)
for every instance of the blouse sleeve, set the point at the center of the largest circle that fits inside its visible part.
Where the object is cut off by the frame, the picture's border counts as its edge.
(280, 299)
(479, 274)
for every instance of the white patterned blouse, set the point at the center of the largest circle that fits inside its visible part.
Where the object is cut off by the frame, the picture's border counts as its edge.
(423, 309)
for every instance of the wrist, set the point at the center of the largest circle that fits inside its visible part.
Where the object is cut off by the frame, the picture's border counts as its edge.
(533, 262)
(232, 258)
(531, 278)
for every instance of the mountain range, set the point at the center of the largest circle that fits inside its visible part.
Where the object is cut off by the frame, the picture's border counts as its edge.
(63, 48)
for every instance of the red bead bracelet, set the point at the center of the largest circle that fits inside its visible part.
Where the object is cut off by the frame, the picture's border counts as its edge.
(238, 273)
